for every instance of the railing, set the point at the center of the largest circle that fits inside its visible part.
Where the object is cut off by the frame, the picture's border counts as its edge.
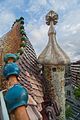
(3, 110)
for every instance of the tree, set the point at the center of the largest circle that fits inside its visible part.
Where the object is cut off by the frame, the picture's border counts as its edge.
(77, 92)
(68, 111)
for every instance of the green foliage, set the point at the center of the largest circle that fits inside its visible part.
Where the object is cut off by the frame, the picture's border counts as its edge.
(77, 92)
(68, 111)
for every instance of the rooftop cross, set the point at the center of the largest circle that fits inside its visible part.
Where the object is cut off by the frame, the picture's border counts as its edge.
(51, 16)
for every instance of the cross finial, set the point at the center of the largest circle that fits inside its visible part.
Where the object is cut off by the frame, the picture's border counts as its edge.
(51, 16)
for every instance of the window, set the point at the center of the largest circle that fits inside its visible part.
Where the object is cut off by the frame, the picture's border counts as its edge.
(54, 69)
(68, 93)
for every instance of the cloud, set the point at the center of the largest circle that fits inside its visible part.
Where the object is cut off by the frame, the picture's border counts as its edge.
(34, 13)
(70, 22)
(36, 5)
(63, 5)
(19, 4)
(68, 32)
(12, 4)
(38, 37)
(67, 28)
(8, 13)
(6, 20)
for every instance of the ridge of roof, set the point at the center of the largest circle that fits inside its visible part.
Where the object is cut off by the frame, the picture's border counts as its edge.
(17, 20)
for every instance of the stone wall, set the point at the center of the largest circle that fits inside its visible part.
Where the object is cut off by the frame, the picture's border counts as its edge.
(55, 86)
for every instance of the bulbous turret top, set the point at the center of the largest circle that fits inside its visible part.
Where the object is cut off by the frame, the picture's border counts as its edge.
(53, 54)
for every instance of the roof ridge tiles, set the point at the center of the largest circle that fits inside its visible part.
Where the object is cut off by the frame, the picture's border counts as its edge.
(17, 21)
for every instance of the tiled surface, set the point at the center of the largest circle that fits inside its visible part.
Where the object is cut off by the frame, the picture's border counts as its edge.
(12, 40)
(27, 62)
(10, 43)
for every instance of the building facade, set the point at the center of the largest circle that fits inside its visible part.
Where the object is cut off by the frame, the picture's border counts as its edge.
(75, 73)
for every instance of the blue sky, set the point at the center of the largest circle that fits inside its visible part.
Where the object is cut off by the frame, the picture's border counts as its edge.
(34, 11)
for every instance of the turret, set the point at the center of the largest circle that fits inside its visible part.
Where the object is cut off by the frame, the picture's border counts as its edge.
(54, 60)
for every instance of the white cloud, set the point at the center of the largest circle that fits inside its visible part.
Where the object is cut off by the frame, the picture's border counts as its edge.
(7, 14)
(68, 27)
(62, 4)
(6, 20)
(38, 37)
(36, 5)
(68, 33)
(12, 4)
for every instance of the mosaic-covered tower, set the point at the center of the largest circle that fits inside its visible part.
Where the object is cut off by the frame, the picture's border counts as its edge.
(54, 59)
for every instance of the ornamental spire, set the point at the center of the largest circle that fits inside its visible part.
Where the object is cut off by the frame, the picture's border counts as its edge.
(53, 54)
(51, 19)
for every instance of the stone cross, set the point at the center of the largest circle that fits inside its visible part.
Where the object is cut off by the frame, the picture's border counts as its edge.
(51, 16)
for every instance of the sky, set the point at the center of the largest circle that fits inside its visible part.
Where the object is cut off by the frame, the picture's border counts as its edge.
(34, 11)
